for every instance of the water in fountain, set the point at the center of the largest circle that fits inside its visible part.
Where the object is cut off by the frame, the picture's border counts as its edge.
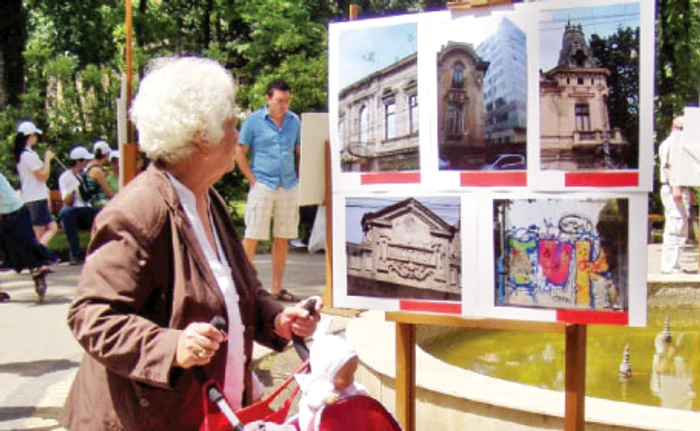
(666, 366)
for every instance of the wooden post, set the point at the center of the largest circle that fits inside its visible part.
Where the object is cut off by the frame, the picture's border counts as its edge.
(575, 379)
(130, 152)
(328, 202)
(406, 375)
(468, 4)
(353, 11)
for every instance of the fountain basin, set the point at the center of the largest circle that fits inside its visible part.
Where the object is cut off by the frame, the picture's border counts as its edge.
(449, 397)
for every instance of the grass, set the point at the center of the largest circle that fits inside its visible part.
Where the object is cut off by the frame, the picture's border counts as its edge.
(59, 244)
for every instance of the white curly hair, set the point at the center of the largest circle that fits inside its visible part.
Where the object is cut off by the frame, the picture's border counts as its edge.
(179, 101)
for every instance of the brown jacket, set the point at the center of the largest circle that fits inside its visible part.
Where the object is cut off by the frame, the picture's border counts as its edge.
(145, 279)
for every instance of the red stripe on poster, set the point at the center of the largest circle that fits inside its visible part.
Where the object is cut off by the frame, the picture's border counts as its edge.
(593, 317)
(430, 306)
(391, 178)
(493, 179)
(601, 179)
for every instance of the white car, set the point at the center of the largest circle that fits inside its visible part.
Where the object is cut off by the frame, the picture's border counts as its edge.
(508, 162)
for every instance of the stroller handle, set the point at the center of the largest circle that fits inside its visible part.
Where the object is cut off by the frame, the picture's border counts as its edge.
(299, 343)
(213, 393)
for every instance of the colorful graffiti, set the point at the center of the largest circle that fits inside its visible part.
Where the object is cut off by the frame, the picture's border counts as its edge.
(561, 265)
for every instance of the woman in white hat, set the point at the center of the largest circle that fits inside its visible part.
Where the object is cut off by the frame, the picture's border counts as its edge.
(33, 173)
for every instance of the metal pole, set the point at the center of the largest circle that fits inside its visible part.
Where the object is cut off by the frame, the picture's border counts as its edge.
(129, 149)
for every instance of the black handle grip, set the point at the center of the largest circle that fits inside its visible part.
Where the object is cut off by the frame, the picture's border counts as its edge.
(299, 343)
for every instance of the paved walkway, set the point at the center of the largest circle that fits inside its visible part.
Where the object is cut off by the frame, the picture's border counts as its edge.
(39, 355)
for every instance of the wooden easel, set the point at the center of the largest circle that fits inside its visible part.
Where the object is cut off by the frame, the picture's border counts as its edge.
(575, 362)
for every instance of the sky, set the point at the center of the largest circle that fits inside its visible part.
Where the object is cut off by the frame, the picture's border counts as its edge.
(366, 50)
(474, 29)
(446, 207)
(600, 20)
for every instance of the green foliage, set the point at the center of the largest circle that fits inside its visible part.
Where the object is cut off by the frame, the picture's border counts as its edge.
(619, 53)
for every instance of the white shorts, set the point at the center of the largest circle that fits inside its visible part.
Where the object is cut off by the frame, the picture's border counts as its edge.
(262, 203)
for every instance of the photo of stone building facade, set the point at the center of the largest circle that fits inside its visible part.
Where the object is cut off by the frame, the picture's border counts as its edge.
(404, 250)
(378, 120)
(575, 125)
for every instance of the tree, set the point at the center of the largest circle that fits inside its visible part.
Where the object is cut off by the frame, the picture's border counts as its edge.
(619, 53)
(12, 39)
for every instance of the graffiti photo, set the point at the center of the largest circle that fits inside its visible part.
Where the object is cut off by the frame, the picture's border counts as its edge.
(562, 253)
(403, 247)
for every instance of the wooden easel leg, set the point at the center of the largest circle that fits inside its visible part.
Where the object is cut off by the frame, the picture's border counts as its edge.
(575, 383)
(406, 375)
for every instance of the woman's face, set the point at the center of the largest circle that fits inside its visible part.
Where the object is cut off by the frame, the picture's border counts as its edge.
(31, 140)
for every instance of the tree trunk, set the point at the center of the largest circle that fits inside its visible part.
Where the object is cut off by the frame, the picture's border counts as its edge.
(12, 40)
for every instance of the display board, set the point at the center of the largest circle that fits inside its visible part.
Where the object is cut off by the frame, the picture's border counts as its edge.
(686, 156)
(460, 140)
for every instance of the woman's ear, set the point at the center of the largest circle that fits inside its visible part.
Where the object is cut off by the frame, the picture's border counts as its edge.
(201, 144)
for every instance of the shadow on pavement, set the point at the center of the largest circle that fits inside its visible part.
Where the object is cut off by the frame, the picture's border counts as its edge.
(15, 413)
(37, 368)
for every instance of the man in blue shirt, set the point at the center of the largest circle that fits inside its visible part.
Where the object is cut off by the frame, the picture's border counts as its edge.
(272, 135)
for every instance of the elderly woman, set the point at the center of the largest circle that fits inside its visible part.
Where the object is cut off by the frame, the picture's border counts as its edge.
(164, 259)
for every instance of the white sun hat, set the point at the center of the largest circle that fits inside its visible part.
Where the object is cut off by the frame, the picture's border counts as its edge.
(28, 128)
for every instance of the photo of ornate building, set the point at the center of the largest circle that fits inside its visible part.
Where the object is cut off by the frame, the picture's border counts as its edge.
(575, 126)
(482, 98)
(406, 250)
(378, 120)
(460, 74)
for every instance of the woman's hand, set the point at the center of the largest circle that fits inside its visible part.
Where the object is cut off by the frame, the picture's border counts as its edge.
(198, 344)
(297, 320)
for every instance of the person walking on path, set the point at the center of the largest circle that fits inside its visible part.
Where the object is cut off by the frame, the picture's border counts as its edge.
(76, 213)
(164, 259)
(272, 135)
(33, 174)
(18, 244)
(676, 201)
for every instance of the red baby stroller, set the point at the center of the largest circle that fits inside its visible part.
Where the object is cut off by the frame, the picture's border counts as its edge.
(356, 413)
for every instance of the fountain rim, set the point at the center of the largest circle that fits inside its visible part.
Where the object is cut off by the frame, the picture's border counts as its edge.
(378, 355)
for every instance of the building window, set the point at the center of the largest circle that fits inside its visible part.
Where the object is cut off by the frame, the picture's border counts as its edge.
(583, 117)
(390, 119)
(341, 132)
(458, 76)
(453, 118)
(413, 113)
(364, 126)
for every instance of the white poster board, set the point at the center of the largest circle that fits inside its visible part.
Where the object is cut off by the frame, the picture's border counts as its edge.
(466, 111)
(312, 179)
(686, 156)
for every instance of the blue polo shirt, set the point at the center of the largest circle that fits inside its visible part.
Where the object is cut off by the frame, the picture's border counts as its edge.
(10, 201)
(272, 148)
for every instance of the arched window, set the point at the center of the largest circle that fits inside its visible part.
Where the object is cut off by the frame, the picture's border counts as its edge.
(389, 119)
(583, 117)
(458, 75)
(453, 118)
(413, 113)
(364, 126)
